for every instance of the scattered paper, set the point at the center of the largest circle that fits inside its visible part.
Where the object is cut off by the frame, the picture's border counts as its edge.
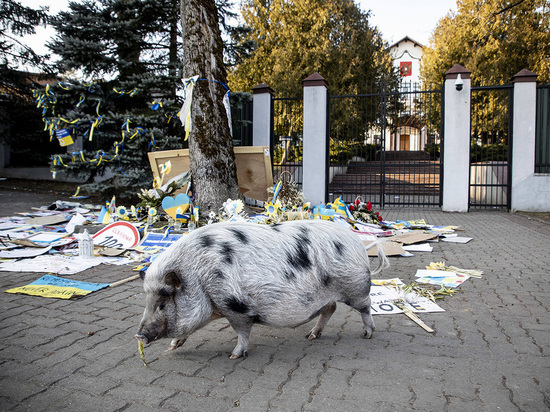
(76, 220)
(24, 252)
(61, 265)
(456, 239)
(46, 220)
(45, 237)
(420, 247)
(440, 277)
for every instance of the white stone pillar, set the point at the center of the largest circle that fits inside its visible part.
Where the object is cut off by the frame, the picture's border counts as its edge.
(523, 141)
(315, 146)
(262, 126)
(456, 145)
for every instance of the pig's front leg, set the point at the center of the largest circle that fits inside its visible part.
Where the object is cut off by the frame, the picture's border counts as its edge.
(242, 327)
(326, 313)
(176, 343)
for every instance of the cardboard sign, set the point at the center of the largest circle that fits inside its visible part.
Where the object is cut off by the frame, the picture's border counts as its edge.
(55, 287)
(172, 204)
(389, 248)
(384, 300)
(157, 242)
(119, 235)
(412, 237)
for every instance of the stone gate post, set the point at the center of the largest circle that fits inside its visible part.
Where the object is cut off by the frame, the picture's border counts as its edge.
(530, 191)
(315, 139)
(456, 135)
(262, 126)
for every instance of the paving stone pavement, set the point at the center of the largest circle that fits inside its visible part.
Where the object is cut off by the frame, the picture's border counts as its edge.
(490, 349)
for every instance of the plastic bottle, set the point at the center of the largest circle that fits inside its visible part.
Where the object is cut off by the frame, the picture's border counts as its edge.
(86, 246)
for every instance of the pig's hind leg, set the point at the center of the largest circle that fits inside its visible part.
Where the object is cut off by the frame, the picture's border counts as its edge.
(364, 308)
(326, 313)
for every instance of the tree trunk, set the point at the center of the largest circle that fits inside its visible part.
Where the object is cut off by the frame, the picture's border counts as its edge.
(211, 157)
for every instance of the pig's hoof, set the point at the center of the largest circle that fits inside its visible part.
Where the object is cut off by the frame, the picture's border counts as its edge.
(176, 343)
(237, 356)
(367, 334)
(312, 335)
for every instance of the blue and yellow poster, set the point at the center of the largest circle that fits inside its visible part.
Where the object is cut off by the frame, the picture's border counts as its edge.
(49, 286)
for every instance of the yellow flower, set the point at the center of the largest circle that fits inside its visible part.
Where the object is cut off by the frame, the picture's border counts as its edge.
(166, 168)
(156, 182)
(272, 209)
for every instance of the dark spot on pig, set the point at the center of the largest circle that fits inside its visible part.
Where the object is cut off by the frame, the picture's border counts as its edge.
(325, 279)
(338, 246)
(300, 258)
(206, 241)
(228, 252)
(236, 305)
(142, 273)
(276, 227)
(240, 235)
(303, 238)
(289, 275)
(258, 319)
(219, 274)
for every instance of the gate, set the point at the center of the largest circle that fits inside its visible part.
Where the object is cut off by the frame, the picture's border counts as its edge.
(542, 146)
(491, 147)
(288, 126)
(385, 146)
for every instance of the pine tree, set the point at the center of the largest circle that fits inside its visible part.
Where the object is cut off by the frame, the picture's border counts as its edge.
(129, 51)
(20, 125)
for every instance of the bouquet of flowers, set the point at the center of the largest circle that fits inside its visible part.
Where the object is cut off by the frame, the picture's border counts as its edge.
(363, 212)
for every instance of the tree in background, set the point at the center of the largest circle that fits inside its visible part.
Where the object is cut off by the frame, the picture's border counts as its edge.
(20, 125)
(494, 39)
(293, 39)
(211, 156)
(128, 49)
(289, 40)
(17, 20)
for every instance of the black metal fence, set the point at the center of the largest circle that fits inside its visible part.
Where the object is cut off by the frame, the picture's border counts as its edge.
(287, 150)
(542, 146)
(491, 147)
(385, 146)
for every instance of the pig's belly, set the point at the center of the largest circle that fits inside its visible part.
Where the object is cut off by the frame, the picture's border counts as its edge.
(291, 317)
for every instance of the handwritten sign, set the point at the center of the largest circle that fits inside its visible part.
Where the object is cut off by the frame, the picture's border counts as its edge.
(49, 286)
(383, 301)
(119, 235)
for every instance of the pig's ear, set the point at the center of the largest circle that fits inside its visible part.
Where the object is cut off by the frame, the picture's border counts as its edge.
(173, 280)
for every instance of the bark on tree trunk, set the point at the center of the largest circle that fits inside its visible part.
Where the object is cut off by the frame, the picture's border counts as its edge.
(211, 156)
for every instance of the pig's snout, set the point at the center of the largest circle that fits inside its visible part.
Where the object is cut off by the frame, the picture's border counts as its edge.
(142, 338)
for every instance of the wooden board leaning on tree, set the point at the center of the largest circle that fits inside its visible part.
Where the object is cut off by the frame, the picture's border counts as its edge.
(253, 168)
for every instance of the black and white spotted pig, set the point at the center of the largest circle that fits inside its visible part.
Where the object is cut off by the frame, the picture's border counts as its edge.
(277, 275)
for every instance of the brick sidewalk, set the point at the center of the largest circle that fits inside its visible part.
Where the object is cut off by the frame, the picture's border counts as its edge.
(490, 349)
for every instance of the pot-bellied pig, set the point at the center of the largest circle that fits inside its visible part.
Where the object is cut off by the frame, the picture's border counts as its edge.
(276, 275)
